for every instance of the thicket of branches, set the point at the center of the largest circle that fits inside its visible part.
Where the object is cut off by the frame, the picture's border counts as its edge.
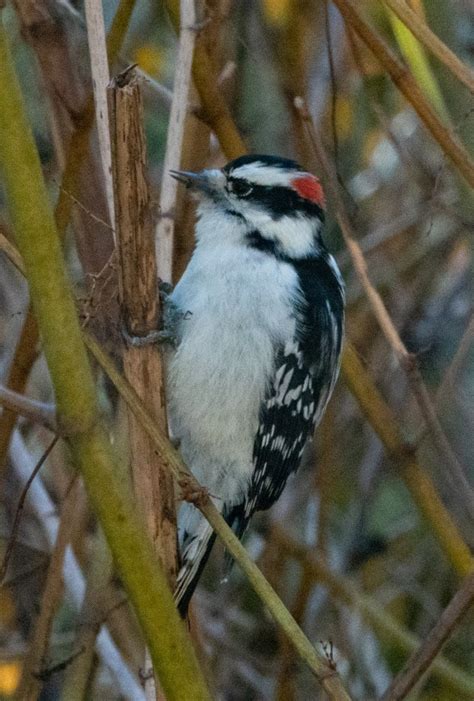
(365, 575)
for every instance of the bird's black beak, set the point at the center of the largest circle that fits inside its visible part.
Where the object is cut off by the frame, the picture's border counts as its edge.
(195, 181)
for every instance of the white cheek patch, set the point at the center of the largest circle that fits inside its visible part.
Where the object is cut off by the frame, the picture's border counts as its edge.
(296, 235)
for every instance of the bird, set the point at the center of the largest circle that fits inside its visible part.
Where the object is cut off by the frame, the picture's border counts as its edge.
(258, 327)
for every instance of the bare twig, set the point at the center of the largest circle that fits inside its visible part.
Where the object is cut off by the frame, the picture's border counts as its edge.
(424, 657)
(25, 354)
(100, 78)
(405, 82)
(420, 29)
(169, 188)
(36, 412)
(215, 111)
(19, 509)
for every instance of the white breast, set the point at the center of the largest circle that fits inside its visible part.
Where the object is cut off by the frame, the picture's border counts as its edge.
(236, 302)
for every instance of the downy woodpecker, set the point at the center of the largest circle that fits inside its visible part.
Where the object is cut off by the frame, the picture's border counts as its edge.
(261, 313)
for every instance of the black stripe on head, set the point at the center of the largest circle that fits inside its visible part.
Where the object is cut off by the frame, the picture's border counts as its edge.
(279, 200)
(275, 161)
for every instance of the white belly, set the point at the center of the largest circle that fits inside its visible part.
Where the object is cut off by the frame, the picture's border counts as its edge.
(236, 306)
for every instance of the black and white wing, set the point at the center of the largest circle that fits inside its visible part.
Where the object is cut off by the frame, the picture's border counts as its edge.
(305, 373)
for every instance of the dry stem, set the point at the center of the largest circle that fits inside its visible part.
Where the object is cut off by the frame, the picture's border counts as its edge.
(421, 30)
(140, 313)
(174, 143)
(408, 86)
(36, 412)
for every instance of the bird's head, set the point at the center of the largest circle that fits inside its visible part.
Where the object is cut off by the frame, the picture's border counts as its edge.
(266, 196)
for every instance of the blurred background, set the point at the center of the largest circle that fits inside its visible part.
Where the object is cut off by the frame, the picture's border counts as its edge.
(365, 572)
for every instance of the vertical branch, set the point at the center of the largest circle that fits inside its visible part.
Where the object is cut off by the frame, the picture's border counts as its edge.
(174, 142)
(215, 111)
(140, 309)
(100, 80)
(140, 313)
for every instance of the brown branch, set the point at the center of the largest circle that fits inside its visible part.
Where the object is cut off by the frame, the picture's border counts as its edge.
(215, 111)
(140, 313)
(408, 86)
(408, 362)
(140, 309)
(423, 658)
(26, 352)
(36, 412)
(19, 509)
(417, 25)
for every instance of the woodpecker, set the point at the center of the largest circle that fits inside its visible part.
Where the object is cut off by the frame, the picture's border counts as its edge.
(260, 311)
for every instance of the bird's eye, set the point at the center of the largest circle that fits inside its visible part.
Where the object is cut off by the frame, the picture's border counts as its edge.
(241, 188)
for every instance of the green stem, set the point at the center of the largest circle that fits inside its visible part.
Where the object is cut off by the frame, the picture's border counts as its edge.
(38, 242)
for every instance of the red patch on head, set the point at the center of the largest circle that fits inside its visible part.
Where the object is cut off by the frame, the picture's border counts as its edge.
(309, 187)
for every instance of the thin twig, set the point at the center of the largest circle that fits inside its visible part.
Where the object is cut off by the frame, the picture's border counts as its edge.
(425, 655)
(87, 211)
(164, 234)
(19, 509)
(405, 82)
(420, 29)
(100, 78)
(332, 75)
(36, 412)
(24, 356)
